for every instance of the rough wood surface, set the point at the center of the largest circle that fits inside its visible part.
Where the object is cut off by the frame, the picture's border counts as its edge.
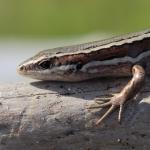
(53, 116)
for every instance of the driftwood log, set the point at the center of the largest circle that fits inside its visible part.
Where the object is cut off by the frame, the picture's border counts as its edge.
(54, 116)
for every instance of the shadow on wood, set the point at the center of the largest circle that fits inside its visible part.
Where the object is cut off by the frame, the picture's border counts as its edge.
(53, 116)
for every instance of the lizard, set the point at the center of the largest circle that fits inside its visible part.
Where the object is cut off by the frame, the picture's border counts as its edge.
(120, 56)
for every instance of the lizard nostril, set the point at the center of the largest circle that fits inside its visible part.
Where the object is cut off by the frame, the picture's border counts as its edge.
(21, 68)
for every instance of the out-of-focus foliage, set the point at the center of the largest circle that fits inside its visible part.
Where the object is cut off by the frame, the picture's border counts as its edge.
(45, 18)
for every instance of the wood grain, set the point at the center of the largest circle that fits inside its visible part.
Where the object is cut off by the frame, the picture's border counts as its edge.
(53, 116)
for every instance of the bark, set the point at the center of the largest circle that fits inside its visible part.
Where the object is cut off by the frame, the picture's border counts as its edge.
(54, 116)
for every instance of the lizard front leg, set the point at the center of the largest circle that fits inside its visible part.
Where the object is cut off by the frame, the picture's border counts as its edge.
(128, 92)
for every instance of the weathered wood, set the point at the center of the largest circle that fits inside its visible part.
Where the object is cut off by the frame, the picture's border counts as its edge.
(53, 116)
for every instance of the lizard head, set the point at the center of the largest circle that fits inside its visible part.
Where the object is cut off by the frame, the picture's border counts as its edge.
(50, 66)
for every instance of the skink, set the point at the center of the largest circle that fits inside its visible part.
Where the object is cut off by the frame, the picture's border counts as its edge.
(126, 55)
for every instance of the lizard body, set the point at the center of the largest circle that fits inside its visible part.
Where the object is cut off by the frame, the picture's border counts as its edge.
(125, 55)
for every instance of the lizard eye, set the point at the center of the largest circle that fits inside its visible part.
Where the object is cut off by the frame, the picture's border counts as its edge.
(79, 66)
(45, 64)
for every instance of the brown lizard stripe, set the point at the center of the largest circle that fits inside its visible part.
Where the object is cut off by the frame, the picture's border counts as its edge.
(129, 49)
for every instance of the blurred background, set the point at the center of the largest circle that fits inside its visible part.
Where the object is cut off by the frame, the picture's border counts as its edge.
(27, 26)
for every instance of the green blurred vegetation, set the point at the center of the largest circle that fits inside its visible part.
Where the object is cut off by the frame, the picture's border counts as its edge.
(49, 18)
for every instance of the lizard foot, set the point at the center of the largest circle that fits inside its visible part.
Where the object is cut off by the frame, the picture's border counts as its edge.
(128, 92)
(114, 102)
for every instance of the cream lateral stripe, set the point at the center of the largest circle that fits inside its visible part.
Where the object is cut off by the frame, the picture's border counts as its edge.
(35, 60)
(115, 61)
(117, 43)
(105, 62)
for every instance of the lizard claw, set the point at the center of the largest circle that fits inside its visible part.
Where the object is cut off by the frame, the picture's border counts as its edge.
(114, 102)
(106, 114)
(120, 113)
